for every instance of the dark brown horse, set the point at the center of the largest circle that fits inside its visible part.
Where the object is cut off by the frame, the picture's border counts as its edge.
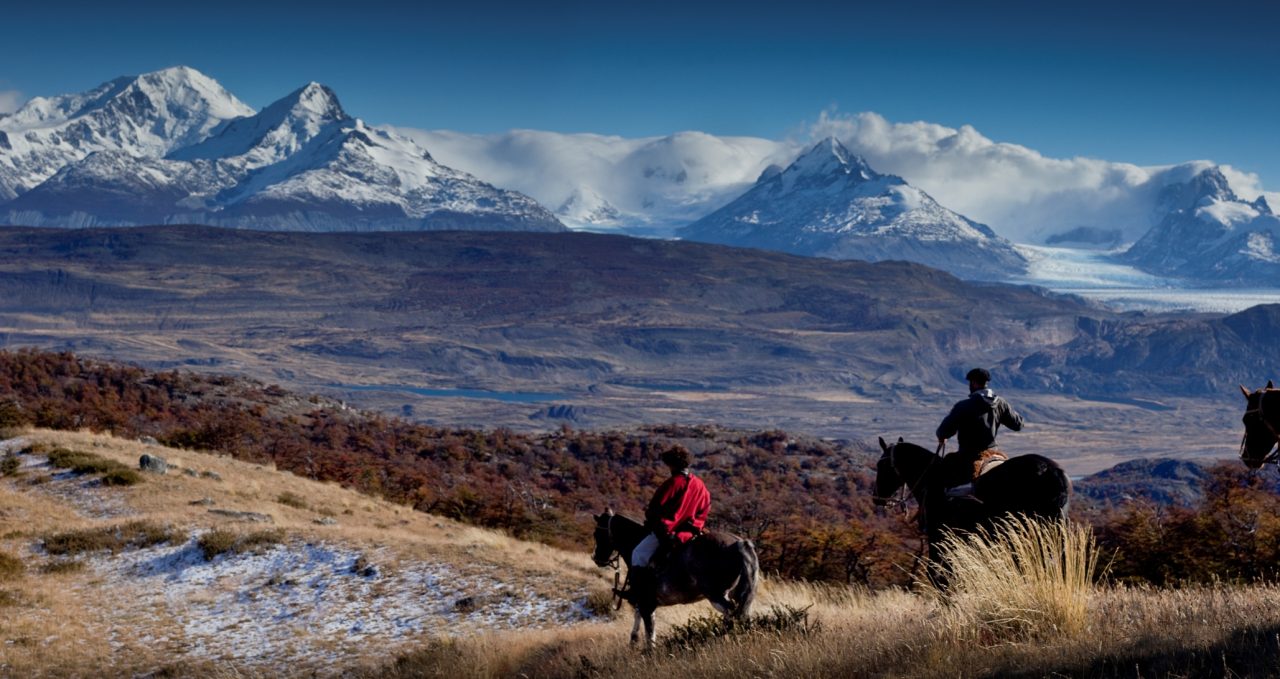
(1261, 426)
(715, 566)
(1031, 485)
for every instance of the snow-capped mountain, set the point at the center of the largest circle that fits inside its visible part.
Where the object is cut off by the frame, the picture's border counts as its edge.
(1210, 234)
(301, 163)
(830, 203)
(147, 116)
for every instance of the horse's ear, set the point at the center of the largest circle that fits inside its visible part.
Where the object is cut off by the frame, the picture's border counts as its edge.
(1244, 391)
(1270, 385)
(901, 440)
(883, 445)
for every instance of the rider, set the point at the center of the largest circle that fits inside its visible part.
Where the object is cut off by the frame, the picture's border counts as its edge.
(974, 422)
(676, 514)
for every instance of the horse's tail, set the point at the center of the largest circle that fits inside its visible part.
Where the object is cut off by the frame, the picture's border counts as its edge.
(1062, 497)
(744, 591)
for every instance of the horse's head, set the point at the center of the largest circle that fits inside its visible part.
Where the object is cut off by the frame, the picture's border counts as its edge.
(604, 549)
(888, 481)
(1260, 433)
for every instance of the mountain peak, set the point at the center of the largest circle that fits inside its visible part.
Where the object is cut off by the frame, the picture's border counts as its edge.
(316, 100)
(828, 157)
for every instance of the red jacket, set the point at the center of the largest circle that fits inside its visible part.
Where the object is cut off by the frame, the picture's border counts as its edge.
(679, 507)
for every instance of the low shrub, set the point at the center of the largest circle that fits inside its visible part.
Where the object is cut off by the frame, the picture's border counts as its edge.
(61, 566)
(9, 465)
(291, 500)
(11, 567)
(223, 541)
(80, 462)
(600, 603)
(782, 620)
(10, 598)
(136, 534)
(121, 477)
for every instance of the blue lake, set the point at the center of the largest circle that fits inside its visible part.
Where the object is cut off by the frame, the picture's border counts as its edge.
(508, 396)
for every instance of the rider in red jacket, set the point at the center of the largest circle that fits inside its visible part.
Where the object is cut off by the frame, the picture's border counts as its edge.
(677, 513)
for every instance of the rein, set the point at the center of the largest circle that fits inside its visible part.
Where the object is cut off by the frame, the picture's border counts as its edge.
(1272, 457)
(904, 492)
(618, 587)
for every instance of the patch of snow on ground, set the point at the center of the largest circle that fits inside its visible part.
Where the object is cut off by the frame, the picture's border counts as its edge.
(304, 602)
(1096, 275)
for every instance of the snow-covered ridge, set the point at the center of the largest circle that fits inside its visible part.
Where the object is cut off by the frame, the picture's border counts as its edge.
(302, 163)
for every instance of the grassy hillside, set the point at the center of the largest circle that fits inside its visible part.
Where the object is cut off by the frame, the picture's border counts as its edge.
(99, 578)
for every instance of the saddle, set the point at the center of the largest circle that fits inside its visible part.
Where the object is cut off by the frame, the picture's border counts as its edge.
(987, 460)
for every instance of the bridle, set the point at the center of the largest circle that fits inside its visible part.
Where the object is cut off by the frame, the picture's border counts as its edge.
(1272, 456)
(615, 562)
(904, 492)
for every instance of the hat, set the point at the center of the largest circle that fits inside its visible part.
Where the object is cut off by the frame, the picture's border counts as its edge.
(978, 375)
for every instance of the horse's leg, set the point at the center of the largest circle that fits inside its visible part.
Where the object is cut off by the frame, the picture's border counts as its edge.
(651, 634)
(635, 628)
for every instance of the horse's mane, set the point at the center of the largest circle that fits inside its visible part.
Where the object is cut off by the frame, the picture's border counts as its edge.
(911, 448)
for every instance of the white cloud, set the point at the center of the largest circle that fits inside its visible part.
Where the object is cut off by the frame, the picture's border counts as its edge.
(10, 100)
(1022, 194)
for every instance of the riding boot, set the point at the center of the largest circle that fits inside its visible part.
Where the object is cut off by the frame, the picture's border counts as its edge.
(642, 585)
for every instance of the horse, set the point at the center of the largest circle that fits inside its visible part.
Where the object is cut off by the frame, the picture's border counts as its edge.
(1030, 485)
(716, 566)
(1261, 426)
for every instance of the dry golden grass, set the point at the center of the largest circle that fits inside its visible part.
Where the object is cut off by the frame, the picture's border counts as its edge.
(1025, 578)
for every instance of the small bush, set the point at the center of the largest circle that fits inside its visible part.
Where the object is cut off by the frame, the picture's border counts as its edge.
(61, 566)
(121, 477)
(779, 621)
(80, 462)
(11, 567)
(137, 534)
(223, 541)
(9, 465)
(291, 500)
(9, 598)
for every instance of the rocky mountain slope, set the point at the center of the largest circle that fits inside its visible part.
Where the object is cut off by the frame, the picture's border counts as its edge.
(301, 163)
(830, 203)
(1211, 235)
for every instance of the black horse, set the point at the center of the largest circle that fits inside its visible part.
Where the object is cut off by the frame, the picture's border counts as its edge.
(1261, 426)
(1030, 485)
(715, 566)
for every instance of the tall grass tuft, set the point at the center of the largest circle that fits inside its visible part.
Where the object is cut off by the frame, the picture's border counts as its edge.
(1025, 579)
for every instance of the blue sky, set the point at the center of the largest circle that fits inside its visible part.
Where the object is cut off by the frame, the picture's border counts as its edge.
(1148, 83)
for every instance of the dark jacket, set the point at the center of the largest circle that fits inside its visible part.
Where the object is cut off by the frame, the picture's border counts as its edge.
(975, 421)
(679, 507)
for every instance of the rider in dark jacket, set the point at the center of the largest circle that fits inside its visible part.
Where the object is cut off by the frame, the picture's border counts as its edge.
(974, 422)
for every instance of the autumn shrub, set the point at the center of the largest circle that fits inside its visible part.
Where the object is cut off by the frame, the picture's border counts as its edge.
(62, 566)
